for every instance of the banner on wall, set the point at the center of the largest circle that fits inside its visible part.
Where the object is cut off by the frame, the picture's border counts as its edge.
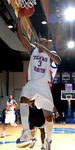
(73, 77)
(57, 78)
(66, 77)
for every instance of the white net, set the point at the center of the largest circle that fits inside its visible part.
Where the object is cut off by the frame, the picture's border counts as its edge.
(26, 3)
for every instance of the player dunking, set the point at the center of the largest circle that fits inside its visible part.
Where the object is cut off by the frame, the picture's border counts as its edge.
(36, 116)
(37, 86)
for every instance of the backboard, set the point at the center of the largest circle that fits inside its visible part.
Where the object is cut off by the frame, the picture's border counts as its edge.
(68, 95)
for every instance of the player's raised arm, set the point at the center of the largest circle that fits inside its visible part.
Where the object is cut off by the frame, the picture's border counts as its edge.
(26, 44)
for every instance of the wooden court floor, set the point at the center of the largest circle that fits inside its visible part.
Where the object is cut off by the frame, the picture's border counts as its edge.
(63, 138)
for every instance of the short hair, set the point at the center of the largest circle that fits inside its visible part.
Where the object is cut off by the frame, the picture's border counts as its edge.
(43, 39)
(10, 95)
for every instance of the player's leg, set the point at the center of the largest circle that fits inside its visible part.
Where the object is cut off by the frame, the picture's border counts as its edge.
(7, 120)
(37, 119)
(24, 110)
(33, 133)
(42, 130)
(4, 127)
(49, 126)
(33, 130)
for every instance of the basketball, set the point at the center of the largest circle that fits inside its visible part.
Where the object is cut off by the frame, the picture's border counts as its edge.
(27, 12)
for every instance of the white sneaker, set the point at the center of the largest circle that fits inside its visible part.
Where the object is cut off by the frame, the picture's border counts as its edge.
(15, 125)
(3, 135)
(42, 148)
(25, 137)
(31, 145)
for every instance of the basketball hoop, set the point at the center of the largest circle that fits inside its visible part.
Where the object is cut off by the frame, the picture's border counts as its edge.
(68, 98)
(27, 3)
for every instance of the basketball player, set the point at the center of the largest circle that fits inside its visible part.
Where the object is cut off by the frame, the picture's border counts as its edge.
(36, 115)
(37, 120)
(37, 86)
(10, 113)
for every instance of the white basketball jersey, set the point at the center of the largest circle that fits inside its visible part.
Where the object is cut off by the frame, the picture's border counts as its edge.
(39, 66)
(9, 107)
(38, 75)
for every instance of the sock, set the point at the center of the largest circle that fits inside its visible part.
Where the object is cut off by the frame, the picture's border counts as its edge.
(24, 110)
(15, 124)
(4, 133)
(42, 144)
(49, 127)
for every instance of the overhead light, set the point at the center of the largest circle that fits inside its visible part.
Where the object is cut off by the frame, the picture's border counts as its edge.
(50, 40)
(70, 14)
(10, 24)
(49, 36)
(57, 10)
(44, 22)
(71, 44)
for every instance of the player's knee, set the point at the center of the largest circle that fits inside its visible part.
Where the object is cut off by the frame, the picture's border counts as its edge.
(49, 118)
(42, 130)
(24, 100)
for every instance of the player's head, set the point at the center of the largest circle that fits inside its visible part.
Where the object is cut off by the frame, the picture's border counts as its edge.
(10, 97)
(44, 42)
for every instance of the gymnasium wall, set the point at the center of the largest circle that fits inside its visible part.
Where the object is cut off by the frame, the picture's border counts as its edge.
(13, 84)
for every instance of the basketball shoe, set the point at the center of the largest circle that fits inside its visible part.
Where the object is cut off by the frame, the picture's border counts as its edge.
(3, 135)
(15, 125)
(48, 145)
(42, 148)
(25, 137)
(31, 145)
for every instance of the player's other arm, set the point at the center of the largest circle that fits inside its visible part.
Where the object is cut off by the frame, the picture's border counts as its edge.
(52, 55)
(26, 44)
(56, 112)
(15, 104)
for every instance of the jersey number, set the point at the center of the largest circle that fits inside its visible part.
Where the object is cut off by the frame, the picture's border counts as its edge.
(40, 63)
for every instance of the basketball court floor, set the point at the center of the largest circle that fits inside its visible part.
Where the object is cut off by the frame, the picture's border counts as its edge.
(63, 138)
